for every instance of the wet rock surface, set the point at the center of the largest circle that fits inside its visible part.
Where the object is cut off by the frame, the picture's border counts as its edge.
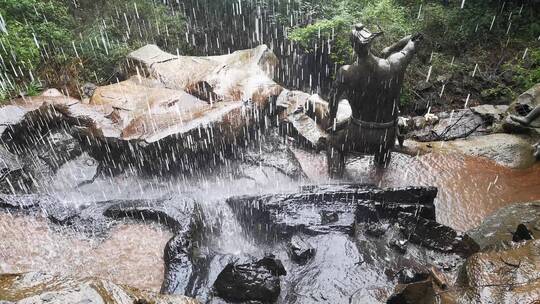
(301, 212)
(497, 230)
(300, 251)
(146, 122)
(215, 118)
(448, 126)
(352, 253)
(256, 281)
(42, 288)
(509, 150)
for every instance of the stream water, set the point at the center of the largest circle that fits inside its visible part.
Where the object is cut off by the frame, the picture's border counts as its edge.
(132, 254)
(470, 188)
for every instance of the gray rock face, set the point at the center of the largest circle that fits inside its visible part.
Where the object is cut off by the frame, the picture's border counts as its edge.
(496, 231)
(450, 126)
(491, 113)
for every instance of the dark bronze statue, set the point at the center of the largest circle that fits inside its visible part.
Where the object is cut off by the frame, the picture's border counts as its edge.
(372, 86)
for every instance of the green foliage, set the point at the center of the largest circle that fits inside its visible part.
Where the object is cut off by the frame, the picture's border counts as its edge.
(34, 88)
(334, 29)
(4, 95)
(32, 26)
(337, 26)
(123, 26)
(66, 43)
(526, 71)
(498, 92)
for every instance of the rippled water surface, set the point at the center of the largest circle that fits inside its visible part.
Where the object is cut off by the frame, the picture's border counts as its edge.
(470, 188)
(132, 254)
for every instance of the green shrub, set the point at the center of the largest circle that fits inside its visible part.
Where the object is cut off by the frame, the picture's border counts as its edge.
(526, 71)
(34, 28)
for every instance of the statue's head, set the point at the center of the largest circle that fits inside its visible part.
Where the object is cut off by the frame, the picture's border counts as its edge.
(361, 39)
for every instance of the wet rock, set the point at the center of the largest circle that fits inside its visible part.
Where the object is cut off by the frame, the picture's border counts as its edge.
(450, 126)
(496, 231)
(13, 178)
(399, 244)
(176, 214)
(148, 122)
(180, 271)
(301, 212)
(257, 281)
(237, 76)
(418, 292)
(408, 276)
(375, 229)
(491, 113)
(328, 217)
(513, 151)
(436, 236)
(300, 250)
(273, 152)
(42, 288)
(508, 276)
(25, 201)
(373, 211)
(64, 216)
(522, 234)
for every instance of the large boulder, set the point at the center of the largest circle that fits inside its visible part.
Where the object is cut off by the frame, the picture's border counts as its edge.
(186, 112)
(42, 288)
(513, 151)
(497, 230)
(242, 75)
(509, 276)
(255, 281)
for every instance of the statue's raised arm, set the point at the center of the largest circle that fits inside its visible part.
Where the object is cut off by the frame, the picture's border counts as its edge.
(402, 57)
(398, 46)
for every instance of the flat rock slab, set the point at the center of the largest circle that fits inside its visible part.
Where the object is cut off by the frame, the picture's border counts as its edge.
(174, 214)
(513, 151)
(308, 209)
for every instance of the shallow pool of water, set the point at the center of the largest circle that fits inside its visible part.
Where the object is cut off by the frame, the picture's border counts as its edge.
(132, 254)
(470, 188)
